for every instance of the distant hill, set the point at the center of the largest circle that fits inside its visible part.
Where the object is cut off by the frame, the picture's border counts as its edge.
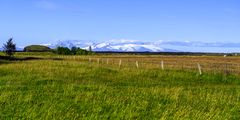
(37, 48)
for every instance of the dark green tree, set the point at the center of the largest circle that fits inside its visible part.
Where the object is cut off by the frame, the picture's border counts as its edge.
(90, 48)
(74, 50)
(9, 48)
(63, 51)
(82, 52)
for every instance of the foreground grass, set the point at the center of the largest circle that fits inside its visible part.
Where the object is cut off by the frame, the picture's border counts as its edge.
(79, 90)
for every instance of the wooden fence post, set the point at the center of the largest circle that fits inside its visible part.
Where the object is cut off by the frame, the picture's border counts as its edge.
(98, 61)
(90, 60)
(120, 63)
(199, 69)
(107, 61)
(162, 65)
(137, 65)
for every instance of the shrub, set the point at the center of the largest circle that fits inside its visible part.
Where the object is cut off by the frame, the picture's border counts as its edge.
(63, 51)
(82, 52)
(73, 51)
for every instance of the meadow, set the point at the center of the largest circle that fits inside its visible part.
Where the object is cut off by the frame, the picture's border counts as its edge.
(120, 87)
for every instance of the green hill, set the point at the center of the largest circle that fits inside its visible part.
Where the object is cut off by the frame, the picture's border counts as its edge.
(37, 48)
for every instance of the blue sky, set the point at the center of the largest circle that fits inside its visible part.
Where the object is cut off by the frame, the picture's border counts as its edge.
(46, 21)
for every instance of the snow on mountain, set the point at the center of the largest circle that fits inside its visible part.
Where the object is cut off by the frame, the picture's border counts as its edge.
(72, 43)
(130, 46)
(122, 45)
(125, 45)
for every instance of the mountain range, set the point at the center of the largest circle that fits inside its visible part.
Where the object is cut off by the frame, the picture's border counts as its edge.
(115, 46)
(125, 45)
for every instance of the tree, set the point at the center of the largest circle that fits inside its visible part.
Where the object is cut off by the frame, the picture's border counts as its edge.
(90, 48)
(63, 51)
(82, 52)
(9, 47)
(74, 50)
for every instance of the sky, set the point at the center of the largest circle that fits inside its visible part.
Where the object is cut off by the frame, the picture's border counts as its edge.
(48, 21)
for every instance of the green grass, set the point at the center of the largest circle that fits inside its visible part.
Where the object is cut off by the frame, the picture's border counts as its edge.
(48, 89)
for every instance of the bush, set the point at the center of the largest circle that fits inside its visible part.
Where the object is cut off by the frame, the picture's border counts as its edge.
(82, 52)
(63, 51)
(73, 51)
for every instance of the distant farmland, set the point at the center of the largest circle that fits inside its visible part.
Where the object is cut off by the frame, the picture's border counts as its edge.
(120, 87)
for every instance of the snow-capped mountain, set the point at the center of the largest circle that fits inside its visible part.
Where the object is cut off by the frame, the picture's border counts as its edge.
(115, 46)
(129, 46)
(73, 43)
(125, 45)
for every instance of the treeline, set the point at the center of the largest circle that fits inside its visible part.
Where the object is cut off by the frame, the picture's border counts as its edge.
(59, 50)
(72, 51)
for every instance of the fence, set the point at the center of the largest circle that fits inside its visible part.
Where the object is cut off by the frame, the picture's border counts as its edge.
(201, 65)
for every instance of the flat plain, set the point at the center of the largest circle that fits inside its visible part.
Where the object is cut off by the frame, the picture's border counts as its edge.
(120, 87)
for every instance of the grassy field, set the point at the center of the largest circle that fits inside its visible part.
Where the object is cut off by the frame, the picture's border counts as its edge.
(76, 88)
